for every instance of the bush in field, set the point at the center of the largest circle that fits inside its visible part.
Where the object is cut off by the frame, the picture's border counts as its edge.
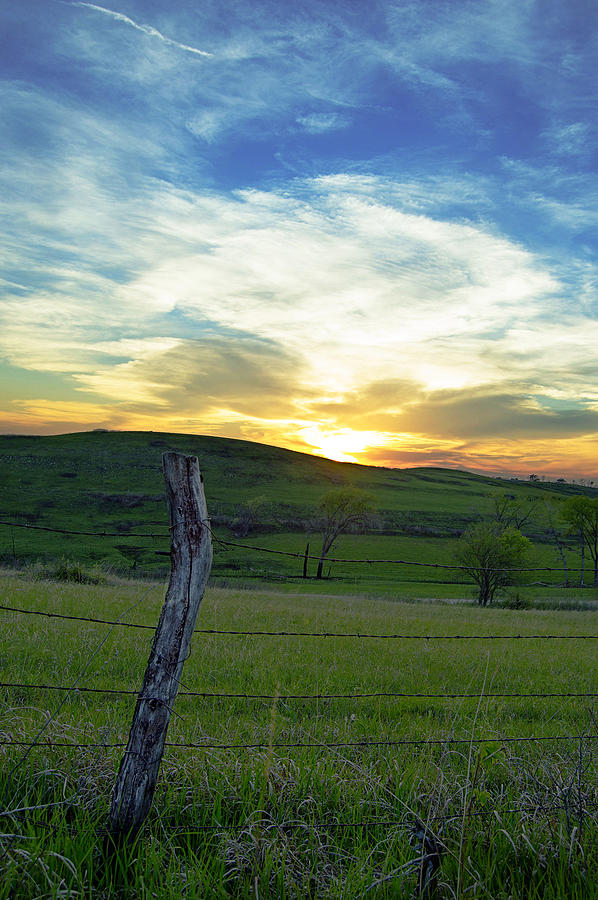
(248, 516)
(514, 600)
(68, 571)
(487, 552)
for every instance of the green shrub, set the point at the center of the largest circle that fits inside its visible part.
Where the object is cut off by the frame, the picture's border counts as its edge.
(72, 572)
(514, 600)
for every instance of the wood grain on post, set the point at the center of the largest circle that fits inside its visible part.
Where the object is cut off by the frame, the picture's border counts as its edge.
(191, 558)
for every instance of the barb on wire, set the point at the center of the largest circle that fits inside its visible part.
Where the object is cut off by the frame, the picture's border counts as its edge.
(319, 634)
(404, 695)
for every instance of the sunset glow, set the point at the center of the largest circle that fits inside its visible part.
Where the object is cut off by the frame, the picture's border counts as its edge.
(340, 444)
(369, 236)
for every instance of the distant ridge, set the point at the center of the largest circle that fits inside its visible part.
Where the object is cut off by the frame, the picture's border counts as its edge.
(112, 480)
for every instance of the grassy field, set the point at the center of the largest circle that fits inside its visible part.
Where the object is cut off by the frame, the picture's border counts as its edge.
(514, 819)
(112, 481)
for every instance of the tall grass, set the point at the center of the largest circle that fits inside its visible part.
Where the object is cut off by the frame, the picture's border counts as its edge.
(510, 820)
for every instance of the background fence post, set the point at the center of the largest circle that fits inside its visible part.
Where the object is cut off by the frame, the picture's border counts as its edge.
(305, 559)
(191, 559)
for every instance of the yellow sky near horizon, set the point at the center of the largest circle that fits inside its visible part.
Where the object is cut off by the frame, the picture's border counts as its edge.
(572, 458)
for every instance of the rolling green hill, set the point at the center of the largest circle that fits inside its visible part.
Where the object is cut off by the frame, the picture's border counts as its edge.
(257, 495)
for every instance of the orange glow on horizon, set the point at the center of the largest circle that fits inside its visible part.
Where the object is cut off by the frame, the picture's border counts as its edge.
(571, 458)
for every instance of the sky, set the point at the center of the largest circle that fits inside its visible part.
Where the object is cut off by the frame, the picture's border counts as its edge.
(365, 230)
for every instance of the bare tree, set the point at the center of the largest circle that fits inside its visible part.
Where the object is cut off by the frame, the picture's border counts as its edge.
(557, 538)
(510, 512)
(248, 516)
(581, 513)
(343, 509)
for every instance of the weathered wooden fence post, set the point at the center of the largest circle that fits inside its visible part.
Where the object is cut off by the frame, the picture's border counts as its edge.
(191, 558)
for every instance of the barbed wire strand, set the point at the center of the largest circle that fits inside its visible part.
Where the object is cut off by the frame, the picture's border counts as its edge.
(332, 823)
(321, 696)
(402, 742)
(329, 823)
(390, 562)
(118, 534)
(315, 634)
(294, 555)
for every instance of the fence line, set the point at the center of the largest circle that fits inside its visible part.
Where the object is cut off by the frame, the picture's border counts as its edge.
(321, 745)
(418, 821)
(319, 634)
(393, 562)
(300, 556)
(118, 534)
(284, 697)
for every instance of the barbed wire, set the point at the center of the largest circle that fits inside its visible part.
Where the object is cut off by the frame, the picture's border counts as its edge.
(269, 745)
(322, 745)
(118, 534)
(299, 556)
(390, 562)
(418, 820)
(51, 615)
(316, 634)
(320, 696)
(402, 742)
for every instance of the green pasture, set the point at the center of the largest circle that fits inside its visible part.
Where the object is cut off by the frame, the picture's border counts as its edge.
(246, 562)
(112, 481)
(514, 819)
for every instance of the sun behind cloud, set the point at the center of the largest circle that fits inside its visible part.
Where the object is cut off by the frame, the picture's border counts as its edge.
(340, 444)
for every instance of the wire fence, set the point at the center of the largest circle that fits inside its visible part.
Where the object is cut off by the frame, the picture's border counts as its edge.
(287, 697)
(320, 745)
(221, 542)
(502, 739)
(315, 634)
(412, 821)
(497, 740)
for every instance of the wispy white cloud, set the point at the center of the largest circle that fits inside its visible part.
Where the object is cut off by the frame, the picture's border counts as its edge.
(318, 123)
(209, 124)
(336, 272)
(146, 29)
(573, 139)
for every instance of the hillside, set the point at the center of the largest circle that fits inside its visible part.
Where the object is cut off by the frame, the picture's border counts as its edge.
(112, 481)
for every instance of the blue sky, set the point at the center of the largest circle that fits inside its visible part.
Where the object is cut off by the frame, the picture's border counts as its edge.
(362, 230)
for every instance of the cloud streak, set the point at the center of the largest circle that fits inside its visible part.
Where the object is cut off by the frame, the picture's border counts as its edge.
(146, 29)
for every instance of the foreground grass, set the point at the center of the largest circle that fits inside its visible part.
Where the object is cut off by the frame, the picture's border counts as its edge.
(513, 819)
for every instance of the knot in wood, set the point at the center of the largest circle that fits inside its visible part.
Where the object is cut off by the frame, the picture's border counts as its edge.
(194, 532)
